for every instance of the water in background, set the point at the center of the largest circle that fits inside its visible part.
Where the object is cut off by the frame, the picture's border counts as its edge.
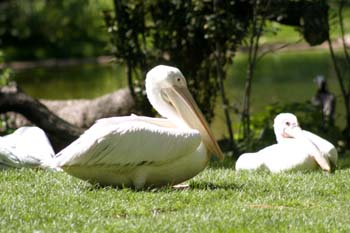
(71, 82)
(279, 78)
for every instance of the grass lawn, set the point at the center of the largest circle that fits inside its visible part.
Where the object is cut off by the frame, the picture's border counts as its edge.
(218, 200)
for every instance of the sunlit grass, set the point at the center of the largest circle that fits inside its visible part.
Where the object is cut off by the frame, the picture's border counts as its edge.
(280, 33)
(218, 200)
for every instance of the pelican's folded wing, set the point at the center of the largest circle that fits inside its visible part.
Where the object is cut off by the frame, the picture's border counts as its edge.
(129, 141)
(327, 149)
(7, 156)
(28, 146)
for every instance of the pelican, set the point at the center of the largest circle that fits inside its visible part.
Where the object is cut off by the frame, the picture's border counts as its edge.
(325, 100)
(296, 149)
(136, 151)
(26, 147)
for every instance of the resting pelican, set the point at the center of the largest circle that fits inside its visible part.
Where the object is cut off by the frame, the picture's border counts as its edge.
(26, 147)
(136, 151)
(296, 149)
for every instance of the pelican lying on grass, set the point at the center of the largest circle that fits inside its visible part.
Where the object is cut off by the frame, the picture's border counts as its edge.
(26, 147)
(136, 151)
(296, 149)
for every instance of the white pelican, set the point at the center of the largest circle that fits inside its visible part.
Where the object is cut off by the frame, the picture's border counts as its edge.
(136, 151)
(26, 147)
(296, 149)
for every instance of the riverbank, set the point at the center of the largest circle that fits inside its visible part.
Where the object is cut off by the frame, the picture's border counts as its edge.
(55, 62)
(299, 45)
(265, 48)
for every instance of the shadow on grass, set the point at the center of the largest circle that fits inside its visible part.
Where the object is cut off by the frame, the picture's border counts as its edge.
(204, 185)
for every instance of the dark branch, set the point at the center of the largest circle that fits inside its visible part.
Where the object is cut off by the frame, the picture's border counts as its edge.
(60, 132)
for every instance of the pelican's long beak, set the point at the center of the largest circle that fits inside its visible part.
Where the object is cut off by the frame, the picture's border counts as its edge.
(314, 151)
(184, 104)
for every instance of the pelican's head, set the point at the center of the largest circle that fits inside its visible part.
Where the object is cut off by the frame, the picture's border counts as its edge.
(167, 91)
(286, 126)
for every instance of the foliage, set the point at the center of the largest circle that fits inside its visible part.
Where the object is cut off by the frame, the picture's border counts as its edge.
(5, 73)
(180, 33)
(187, 34)
(256, 29)
(42, 29)
(342, 64)
(218, 200)
(5, 78)
(311, 17)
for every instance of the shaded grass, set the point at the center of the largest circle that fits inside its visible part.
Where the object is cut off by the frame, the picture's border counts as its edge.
(218, 200)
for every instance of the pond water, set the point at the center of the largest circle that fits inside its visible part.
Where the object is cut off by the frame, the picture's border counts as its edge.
(280, 78)
(71, 82)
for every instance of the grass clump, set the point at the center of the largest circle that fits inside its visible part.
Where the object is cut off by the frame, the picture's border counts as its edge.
(218, 200)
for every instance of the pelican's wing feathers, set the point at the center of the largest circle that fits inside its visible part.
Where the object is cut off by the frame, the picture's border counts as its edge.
(129, 141)
(28, 146)
(326, 148)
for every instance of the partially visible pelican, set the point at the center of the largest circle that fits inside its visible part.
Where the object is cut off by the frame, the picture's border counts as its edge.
(136, 151)
(296, 149)
(26, 147)
(325, 100)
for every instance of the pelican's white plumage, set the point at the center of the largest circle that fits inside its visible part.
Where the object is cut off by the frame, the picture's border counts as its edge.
(296, 149)
(26, 147)
(141, 151)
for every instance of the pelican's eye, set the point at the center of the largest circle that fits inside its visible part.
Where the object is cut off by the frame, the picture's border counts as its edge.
(178, 79)
(287, 123)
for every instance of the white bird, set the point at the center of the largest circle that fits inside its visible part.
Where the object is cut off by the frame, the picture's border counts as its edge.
(26, 147)
(296, 149)
(136, 151)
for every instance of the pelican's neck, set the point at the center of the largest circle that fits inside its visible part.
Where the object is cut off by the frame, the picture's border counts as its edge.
(280, 138)
(164, 108)
(278, 134)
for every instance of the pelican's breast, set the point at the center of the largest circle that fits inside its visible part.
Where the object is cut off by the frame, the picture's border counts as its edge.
(287, 155)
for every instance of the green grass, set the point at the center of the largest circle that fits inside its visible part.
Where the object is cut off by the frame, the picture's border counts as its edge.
(218, 200)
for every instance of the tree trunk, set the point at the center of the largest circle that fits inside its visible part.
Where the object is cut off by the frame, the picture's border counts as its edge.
(347, 59)
(257, 29)
(63, 120)
(221, 77)
(344, 91)
(252, 60)
(225, 102)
